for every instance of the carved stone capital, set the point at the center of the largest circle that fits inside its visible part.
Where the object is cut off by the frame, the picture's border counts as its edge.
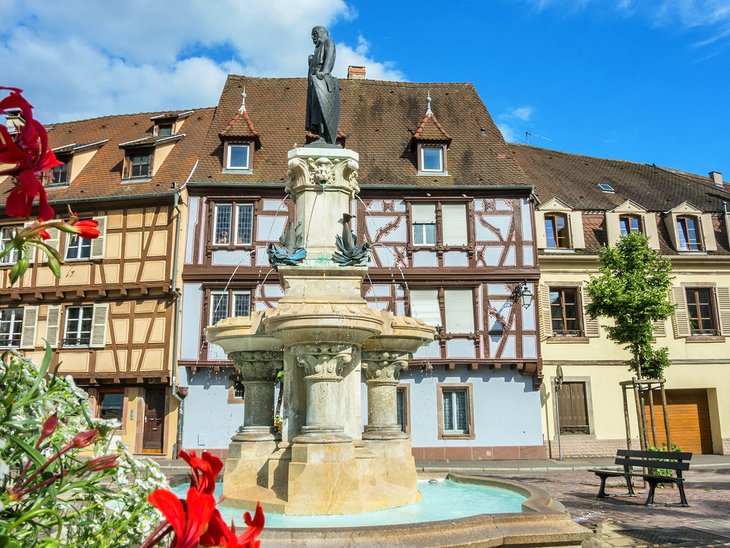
(258, 365)
(384, 365)
(323, 361)
(322, 172)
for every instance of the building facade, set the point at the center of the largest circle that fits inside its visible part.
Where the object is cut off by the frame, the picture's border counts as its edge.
(587, 202)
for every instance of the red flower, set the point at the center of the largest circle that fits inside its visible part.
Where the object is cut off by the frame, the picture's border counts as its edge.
(189, 524)
(44, 234)
(49, 427)
(205, 470)
(82, 439)
(27, 152)
(87, 229)
(218, 533)
(255, 526)
(100, 463)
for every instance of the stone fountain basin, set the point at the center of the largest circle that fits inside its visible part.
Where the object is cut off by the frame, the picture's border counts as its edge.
(543, 522)
(400, 334)
(242, 334)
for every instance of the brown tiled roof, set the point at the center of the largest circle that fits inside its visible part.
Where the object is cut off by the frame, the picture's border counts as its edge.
(101, 178)
(240, 126)
(574, 179)
(378, 119)
(431, 130)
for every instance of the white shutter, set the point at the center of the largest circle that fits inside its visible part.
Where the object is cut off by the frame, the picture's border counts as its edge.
(98, 244)
(723, 301)
(613, 232)
(453, 219)
(650, 230)
(546, 320)
(577, 240)
(98, 325)
(54, 241)
(660, 328)
(459, 305)
(671, 222)
(681, 317)
(53, 319)
(590, 325)
(540, 230)
(425, 306)
(30, 323)
(423, 213)
(708, 232)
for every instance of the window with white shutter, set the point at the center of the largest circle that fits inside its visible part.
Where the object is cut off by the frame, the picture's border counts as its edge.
(453, 219)
(98, 328)
(53, 321)
(30, 323)
(98, 245)
(459, 305)
(425, 306)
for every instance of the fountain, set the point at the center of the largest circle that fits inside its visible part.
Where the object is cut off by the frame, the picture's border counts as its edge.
(324, 337)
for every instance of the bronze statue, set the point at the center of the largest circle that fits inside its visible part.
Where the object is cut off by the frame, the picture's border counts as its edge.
(323, 94)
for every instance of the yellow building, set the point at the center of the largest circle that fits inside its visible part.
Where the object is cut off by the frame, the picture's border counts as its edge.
(587, 202)
(111, 317)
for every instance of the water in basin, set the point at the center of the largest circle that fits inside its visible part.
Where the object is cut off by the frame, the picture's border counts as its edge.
(441, 500)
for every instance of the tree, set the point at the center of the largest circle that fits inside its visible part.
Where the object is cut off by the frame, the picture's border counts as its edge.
(633, 289)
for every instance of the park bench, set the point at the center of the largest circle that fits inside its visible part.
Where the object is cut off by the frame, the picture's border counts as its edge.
(650, 462)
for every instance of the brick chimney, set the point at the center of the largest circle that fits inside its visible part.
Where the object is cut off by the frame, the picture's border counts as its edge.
(355, 73)
(716, 177)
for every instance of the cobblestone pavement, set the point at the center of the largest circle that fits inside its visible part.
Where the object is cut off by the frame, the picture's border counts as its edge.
(625, 521)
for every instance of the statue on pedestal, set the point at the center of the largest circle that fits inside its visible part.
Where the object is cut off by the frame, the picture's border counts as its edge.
(323, 91)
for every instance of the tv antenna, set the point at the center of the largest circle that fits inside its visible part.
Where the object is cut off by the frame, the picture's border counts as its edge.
(528, 135)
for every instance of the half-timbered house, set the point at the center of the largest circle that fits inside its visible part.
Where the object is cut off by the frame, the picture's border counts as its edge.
(587, 202)
(450, 217)
(110, 318)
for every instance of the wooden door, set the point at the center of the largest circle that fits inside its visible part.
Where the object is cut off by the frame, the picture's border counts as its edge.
(154, 420)
(573, 407)
(689, 420)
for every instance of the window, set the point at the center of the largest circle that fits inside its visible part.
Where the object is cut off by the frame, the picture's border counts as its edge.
(78, 248)
(573, 408)
(403, 408)
(59, 175)
(223, 219)
(225, 304)
(455, 411)
(111, 404)
(689, 239)
(238, 390)
(432, 159)
(6, 235)
(138, 164)
(454, 231)
(564, 312)
(11, 327)
(701, 311)
(78, 325)
(238, 156)
(164, 130)
(628, 224)
(557, 231)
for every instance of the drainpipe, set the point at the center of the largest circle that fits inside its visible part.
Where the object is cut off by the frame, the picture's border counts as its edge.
(176, 316)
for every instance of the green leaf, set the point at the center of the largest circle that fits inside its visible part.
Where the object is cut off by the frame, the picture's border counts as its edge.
(27, 448)
(7, 542)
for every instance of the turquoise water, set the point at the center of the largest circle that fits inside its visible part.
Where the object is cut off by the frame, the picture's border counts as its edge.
(440, 501)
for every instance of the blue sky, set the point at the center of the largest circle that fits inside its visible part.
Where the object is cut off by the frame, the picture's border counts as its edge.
(638, 80)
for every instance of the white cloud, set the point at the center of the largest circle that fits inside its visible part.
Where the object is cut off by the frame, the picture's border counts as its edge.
(508, 132)
(81, 58)
(520, 113)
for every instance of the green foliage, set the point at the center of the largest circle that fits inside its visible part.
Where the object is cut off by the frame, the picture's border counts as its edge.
(51, 493)
(633, 290)
(662, 471)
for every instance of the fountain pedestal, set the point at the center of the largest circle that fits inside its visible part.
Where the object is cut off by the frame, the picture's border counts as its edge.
(324, 464)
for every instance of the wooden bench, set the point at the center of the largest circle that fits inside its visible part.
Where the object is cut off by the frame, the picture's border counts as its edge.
(651, 461)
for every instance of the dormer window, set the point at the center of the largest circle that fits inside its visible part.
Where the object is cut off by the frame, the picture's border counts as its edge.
(138, 164)
(164, 130)
(629, 224)
(557, 231)
(688, 234)
(59, 174)
(559, 228)
(238, 156)
(432, 159)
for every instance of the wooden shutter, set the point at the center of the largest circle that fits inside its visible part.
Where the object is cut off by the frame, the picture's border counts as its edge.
(660, 328)
(650, 229)
(54, 241)
(671, 221)
(708, 232)
(577, 239)
(98, 325)
(681, 317)
(613, 232)
(723, 301)
(98, 245)
(573, 406)
(546, 320)
(590, 327)
(540, 230)
(30, 323)
(53, 320)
